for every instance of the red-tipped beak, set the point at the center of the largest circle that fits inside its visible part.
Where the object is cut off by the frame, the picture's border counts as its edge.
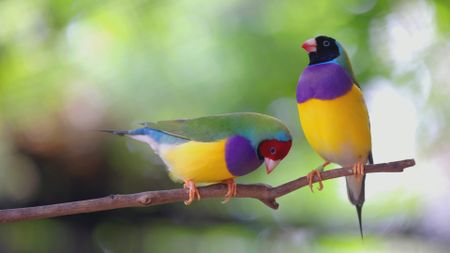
(271, 164)
(310, 45)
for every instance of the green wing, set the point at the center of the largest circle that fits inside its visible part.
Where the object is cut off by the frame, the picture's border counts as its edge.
(217, 127)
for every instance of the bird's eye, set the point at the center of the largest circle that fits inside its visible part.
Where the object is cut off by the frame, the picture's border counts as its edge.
(272, 150)
(326, 43)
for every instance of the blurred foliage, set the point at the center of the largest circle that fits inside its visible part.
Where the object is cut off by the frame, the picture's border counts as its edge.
(68, 67)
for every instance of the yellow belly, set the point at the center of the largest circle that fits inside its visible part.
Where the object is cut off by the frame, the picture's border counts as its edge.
(202, 162)
(338, 130)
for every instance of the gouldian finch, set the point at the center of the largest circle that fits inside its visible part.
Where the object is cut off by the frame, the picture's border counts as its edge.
(215, 148)
(333, 114)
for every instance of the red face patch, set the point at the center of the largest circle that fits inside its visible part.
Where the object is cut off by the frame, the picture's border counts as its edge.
(274, 149)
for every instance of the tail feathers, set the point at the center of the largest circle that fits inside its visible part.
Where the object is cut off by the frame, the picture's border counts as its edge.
(359, 212)
(153, 137)
(116, 132)
(356, 192)
(146, 135)
(355, 189)
(356, 195)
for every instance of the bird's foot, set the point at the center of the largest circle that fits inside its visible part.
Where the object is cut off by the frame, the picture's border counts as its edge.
(232, 190)
(192, 191)
(310, 178)
(317, 172)
(358, 169)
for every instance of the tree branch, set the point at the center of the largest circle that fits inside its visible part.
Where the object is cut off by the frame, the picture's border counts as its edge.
(262, 192)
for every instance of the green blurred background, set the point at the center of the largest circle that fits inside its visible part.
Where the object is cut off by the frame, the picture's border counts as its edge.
(67, 67)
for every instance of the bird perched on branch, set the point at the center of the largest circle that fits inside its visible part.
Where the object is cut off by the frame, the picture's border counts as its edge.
(333, 114)
(215, 148)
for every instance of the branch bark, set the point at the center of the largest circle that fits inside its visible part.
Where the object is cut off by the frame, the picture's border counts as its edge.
(262, 192)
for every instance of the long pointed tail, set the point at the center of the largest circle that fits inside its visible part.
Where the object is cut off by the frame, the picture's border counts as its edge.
(116, 132)
(359, 212)
(147, 135)
(356, 193)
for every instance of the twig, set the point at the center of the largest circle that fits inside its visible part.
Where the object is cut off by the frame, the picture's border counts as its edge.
(262, 192)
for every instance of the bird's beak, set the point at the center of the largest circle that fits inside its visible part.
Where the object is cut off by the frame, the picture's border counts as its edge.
(310, 45)
(271, 164)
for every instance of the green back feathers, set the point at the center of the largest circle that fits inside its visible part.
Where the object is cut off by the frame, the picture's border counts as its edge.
(344, 61)
(254, 126)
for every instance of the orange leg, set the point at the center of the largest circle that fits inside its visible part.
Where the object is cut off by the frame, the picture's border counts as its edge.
(358, 169)
(314, 172)
(192, 190)
(232, 190)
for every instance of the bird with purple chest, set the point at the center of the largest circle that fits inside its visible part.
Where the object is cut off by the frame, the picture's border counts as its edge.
(216, 148)
(334, 116)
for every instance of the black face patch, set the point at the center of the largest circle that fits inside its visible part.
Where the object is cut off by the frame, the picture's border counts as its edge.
(327, 50)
